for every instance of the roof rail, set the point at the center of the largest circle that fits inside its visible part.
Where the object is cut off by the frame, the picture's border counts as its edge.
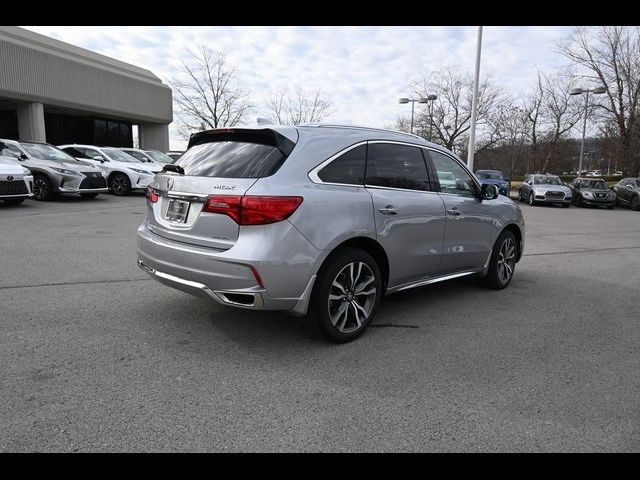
(358, 127)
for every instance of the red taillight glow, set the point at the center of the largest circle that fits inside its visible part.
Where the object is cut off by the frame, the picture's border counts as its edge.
(252, 209)
(257, 276)
(151, 195)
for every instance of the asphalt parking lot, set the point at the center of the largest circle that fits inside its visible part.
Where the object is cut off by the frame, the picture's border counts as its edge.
(96, 356)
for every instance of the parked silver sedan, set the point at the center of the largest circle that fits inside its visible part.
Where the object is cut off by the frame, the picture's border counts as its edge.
(541, 188)
(55, 172)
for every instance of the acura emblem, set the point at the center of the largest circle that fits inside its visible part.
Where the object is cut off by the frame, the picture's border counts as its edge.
(169, 183)
(10, 177)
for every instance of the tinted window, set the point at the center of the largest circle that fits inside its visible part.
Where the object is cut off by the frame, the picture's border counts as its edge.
(347, 168)
(76, 152)
(229, 159)
(396, 166)
(452, 177)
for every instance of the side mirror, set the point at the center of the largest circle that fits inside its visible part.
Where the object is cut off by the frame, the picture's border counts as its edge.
(489, 192)
(506, 179)
(98, 157)
(23, 157)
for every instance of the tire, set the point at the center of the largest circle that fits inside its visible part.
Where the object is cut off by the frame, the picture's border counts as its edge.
(14, 201)
(337, 322)
(119, 184)
(88, 195)
(532, 201)
(579, 201)
(635, 203)
(505, 248)
(42, 188)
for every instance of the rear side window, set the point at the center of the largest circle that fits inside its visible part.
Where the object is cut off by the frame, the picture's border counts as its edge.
(396, 166)
(347, 168)
(229, 159)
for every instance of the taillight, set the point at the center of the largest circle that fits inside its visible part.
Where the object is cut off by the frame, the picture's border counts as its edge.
(151, 195)
(252, 209)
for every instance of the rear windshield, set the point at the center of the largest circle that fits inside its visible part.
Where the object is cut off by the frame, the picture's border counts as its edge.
(230, 159)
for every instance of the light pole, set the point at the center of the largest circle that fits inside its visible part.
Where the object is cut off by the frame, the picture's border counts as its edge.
(580, 91)
(474, 103)
(412, 101)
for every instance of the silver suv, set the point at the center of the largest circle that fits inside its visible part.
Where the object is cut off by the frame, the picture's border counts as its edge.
(322, 220)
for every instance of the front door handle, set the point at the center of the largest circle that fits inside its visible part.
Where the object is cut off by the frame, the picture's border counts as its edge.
(388, 210)
(453, 211)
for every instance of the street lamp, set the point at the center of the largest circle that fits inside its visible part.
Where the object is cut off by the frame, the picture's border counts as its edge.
(429, 98)
(580, 91)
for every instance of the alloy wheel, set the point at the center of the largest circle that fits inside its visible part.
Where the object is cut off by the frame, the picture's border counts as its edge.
(40, 188)
(506, 259)
(531, 200)
(352, 297)
(119, 185)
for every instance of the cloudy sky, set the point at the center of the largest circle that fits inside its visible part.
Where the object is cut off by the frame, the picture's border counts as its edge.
(363, 70)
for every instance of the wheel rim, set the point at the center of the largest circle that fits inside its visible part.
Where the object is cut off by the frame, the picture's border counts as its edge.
(119, 184)
(40, 188)
(352, 297)
(506, 259)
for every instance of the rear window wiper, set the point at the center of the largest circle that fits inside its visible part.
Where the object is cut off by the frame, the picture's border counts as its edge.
(173, 168)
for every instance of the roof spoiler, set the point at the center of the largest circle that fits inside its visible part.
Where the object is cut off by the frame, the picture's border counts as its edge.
(263, 136)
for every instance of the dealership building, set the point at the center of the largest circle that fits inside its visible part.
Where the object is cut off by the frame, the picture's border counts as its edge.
(55, 92)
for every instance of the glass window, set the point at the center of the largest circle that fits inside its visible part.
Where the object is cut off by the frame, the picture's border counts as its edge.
(77, 152)
(396, 166)
(7, 150)
(119, 155)
(139, 155)
(452, 176)
(347, 168)
(42, 151)
(159, 156)
(231, 159)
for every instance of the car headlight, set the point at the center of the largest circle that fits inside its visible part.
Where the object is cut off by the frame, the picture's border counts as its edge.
(140, 171)
(587, 194)
(65, 171)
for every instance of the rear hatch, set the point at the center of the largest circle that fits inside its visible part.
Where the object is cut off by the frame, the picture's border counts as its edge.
(222, 164)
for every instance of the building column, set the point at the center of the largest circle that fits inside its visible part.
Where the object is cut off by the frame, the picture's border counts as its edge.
(154, 136)
(31, 122)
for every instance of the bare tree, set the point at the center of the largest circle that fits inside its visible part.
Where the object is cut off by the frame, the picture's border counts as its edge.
(610, 56)
(451, 117)
(299, 106)
(207, 94)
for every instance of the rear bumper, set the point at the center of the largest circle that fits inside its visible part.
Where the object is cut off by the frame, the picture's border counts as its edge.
(228, 280)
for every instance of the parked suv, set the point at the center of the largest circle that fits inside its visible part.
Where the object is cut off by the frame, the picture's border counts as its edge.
(592, 191)
(542, 188)
(322, 220)
(494, 177)
(124, 172)
(16, 182)
(628, 192)
(149, 156)
(55, 172)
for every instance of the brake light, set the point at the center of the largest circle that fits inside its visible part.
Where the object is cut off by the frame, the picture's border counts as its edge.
(252, 209)
(151, 195)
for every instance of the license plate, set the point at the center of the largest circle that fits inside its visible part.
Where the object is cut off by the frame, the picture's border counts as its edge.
(177, 210)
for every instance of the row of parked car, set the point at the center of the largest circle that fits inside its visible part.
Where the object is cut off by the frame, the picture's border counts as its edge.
(41, 170)
(582, 191)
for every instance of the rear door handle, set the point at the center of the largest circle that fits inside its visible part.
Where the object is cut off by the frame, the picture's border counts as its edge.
(388, 210)
(453, 211)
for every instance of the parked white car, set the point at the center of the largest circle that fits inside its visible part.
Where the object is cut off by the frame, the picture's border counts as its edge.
(149, 156)
(16, 182)
(124, 172)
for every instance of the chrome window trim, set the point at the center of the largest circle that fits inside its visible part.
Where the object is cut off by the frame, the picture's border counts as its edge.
(380, 187)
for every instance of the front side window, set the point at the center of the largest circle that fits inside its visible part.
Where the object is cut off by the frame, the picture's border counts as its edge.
(396, 166)
(7, 150)
(348, 168)
(452, 177)
(76, 152)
